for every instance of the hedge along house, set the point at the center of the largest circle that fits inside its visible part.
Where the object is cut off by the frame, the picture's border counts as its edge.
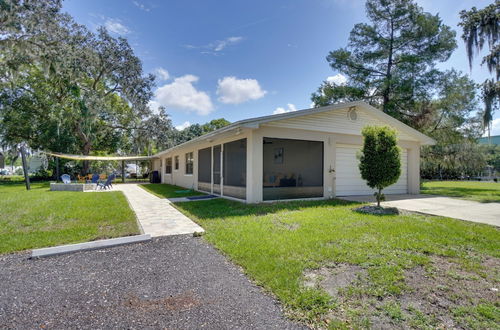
(302, 154)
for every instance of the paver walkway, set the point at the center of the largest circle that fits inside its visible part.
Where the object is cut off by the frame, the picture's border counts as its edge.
(157, 216)
(488, 213)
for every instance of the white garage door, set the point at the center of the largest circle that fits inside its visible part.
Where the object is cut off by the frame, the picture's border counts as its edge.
(348, 179)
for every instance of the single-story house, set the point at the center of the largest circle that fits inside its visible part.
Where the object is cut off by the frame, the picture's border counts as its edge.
(309, 153)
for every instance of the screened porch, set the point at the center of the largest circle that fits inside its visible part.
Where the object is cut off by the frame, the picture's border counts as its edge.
(292, 169)
(222, 169)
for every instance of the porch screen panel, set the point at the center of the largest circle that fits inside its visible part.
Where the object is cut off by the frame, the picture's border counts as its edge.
(235, 169)
(205, 169)
(292, 169)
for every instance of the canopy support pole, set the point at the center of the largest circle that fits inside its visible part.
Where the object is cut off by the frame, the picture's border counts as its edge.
(123, 171)
(57, 169)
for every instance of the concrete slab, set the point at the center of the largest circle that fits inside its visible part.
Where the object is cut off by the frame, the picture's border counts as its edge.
(488, 213)
(72, 186)
(63, 249)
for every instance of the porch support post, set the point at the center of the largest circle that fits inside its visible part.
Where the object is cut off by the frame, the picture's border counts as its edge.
(211, 169)
(255, 153)
(222, 169)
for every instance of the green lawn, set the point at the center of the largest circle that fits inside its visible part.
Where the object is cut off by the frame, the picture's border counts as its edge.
(484, 192)
(169, 191)
(41, 218)
(402, 266)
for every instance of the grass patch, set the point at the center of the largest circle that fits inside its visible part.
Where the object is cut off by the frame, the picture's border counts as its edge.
(41, 218)
(163, 190)
(484, 192)
(277, 243)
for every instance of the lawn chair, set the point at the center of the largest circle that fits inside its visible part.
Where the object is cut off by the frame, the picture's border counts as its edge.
(108, 183)
(95, 178)
(66, 178)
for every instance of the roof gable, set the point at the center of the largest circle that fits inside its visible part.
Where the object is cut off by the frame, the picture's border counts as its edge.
(346, 120)
(370, 115)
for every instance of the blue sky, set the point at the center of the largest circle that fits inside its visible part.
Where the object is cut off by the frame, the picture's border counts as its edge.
(240, 59)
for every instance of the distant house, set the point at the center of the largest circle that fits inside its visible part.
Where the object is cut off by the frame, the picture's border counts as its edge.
(302, 154)
(495, 139)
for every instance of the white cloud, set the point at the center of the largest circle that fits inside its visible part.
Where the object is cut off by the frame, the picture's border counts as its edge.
(162, 73)
(141, 6)
(154, 105)
(338, 79)
(217, 46)
(183, 95)
(183, 126)
(232, 90)
(495, 128)
(221, 44)
(290, 108)
(114, 25)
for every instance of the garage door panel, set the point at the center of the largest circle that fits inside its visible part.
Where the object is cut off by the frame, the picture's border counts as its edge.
(348, 178)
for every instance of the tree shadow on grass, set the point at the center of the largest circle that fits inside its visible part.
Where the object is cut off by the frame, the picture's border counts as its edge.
(222, 208)
(478, 194)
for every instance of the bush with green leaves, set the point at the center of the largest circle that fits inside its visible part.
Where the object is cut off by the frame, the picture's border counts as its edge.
(380, 161)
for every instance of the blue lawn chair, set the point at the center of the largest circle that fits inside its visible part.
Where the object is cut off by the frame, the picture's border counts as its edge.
(95, 178)
(108, 183)
(66, 178)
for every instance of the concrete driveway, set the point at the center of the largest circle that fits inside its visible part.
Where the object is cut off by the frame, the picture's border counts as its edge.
(488, 213)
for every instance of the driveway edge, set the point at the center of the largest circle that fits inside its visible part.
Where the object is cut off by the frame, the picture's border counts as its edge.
(71, 248)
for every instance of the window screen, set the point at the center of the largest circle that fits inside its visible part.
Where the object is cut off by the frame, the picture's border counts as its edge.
(292, 169)
(189, 163)
(204, 165)
(235, 168)
(216, 168)
(176, 163)
(168, 165)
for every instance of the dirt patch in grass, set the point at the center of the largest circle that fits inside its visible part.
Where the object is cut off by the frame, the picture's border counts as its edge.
(332, 279)
(280, 221)
(182, 302)
(371, 209)
(442, 294)
(441, 291)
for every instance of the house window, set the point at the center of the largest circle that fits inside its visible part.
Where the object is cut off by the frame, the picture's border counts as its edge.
(168, 165)
(189, 163)
(176, 163)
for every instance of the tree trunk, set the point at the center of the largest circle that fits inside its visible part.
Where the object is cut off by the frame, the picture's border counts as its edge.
(386, 94)
(86, 151)
(378, 197)
(123, 171)
(25, 169)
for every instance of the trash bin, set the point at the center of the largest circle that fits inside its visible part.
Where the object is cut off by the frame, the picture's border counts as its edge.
(155, 177)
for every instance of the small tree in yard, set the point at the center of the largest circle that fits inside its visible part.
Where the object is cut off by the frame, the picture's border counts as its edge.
(380, 162)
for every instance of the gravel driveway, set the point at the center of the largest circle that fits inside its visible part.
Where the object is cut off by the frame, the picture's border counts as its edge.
(175, 282)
